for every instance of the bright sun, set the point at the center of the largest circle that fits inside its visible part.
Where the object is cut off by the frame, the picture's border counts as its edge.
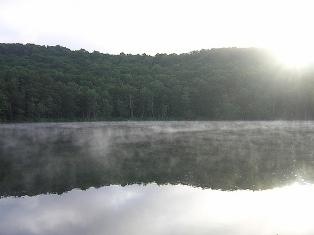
(288, 32)
(295, 57)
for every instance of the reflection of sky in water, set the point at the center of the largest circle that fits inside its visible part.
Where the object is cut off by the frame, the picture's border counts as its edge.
(165, 209)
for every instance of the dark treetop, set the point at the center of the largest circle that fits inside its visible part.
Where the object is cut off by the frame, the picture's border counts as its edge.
(55, 83)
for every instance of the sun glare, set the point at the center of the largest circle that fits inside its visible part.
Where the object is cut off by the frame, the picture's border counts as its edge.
(297, 57)
(288, 32)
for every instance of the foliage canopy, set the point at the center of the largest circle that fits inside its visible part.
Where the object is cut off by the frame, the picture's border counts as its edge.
(54, 83)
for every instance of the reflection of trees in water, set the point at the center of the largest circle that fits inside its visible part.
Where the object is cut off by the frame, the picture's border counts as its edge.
(221, 155)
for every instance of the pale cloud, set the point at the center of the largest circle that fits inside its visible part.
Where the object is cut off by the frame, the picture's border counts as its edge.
(151, 26)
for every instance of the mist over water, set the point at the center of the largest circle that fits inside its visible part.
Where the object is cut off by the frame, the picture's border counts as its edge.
(57, 157)
(157, 178)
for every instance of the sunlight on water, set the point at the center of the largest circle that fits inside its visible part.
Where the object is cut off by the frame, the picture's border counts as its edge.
(167, 209)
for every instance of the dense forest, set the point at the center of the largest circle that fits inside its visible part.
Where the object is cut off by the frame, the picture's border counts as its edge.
(53, 83)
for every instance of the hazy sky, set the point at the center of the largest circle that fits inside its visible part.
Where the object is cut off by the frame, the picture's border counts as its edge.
(151, 26)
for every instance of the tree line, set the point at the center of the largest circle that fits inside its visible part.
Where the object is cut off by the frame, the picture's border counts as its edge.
(53, 83)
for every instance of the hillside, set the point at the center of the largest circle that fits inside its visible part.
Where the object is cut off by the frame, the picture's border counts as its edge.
(40, 83)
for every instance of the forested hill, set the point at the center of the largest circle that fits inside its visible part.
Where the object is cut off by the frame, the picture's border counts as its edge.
(39, 83)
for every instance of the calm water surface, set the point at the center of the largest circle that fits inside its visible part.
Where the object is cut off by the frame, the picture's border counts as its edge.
(157, 178)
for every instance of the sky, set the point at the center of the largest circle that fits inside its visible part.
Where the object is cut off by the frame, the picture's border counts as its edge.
(161, 26)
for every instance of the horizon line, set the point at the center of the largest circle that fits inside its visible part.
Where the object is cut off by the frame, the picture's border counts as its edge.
(143, 54)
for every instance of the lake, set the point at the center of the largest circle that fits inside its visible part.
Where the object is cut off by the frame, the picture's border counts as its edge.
(157, 178)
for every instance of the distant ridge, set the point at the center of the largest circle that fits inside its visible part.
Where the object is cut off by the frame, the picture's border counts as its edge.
(54, 83)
